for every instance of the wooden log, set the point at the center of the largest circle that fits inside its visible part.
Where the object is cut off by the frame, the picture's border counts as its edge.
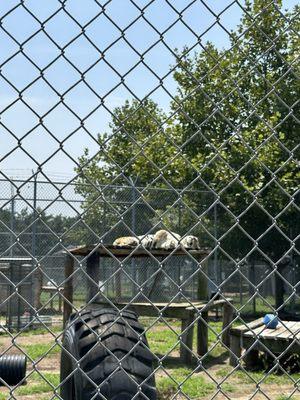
(202, 290)
(93, 271)
(227, 319)
(235, 350)
(186, 343)
(68, 288)
(202, 334)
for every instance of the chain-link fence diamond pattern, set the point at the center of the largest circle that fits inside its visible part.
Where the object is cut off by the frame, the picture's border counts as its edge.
(181, 116)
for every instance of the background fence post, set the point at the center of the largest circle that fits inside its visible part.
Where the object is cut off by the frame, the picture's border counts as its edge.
(38, 275)
(133, 228)
(12, 220)
(252, 283)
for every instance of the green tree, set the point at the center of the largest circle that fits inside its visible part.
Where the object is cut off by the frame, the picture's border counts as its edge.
(48, 228)
(236, 120)
(235, 132)
(141, 147)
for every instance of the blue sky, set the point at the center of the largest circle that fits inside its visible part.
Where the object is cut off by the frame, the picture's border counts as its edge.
(43, 144)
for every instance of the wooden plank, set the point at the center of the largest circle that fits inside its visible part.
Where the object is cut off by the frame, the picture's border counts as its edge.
(266, 333)
(172, 310)
(290, 331)
(259, 331)
(208, 305)
(156, 304)
(240, 329)
(147, 310)
(186, 306)
(283, 329)
(108, 250)
(276, 332)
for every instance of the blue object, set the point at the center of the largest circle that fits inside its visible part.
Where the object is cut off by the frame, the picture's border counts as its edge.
(271, 321)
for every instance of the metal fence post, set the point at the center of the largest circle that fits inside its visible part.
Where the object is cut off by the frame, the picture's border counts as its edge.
(37, 277)
(12, 220)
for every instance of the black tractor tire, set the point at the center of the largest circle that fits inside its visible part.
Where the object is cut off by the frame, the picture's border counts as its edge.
(106, 356)
(12, 369)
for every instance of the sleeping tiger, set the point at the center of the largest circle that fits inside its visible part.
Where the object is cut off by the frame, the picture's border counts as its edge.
(162, 239)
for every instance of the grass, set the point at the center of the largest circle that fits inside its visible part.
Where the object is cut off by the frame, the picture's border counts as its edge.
(36, 385)
(36, 351)
(164, 340)
(242, 377)
(193, 387)
(42, 331)
(178, 380)
(188, 383)
(283, 397)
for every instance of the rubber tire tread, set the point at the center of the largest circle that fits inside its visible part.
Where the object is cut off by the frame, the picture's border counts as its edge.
(101, 342)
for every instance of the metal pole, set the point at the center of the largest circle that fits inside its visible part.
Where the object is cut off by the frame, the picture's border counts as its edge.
(33, 242)
(133, 228)
(252, 283)
(133, 199)
(35, 293)
(12, 220)
(179, 218)
(217, 269)
(179, 231)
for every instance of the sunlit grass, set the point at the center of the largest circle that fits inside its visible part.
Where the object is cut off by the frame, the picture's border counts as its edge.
(36, 384)
(38, 350)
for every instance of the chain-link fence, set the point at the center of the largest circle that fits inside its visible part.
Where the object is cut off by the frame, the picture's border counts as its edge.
(21, 199)
(167, 264)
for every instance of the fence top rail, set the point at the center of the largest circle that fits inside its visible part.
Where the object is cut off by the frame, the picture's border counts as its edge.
(107, 250)
(16, 258)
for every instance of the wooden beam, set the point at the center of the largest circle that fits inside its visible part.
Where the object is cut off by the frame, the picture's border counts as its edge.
(202, 334)
(107, 250)
(227, 319)
(93, 271)
(68, 288)
(202, 291)
(186, 343)
(235, 350)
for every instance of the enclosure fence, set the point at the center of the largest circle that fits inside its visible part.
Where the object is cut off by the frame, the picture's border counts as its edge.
(167, 265)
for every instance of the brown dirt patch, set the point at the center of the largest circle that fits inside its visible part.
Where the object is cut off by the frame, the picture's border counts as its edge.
(11, 343)
(49, 364)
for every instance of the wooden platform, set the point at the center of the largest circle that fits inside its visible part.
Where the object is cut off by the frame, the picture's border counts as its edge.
(94, 254)
(191, 314)
(108, 250)
(255, 336)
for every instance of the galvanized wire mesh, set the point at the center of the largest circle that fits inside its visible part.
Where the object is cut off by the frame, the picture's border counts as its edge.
(174, 115)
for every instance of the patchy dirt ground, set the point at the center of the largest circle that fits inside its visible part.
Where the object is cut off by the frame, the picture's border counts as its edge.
(236, 387)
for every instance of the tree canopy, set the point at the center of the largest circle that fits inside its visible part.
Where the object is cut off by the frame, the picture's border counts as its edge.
(233, 131)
